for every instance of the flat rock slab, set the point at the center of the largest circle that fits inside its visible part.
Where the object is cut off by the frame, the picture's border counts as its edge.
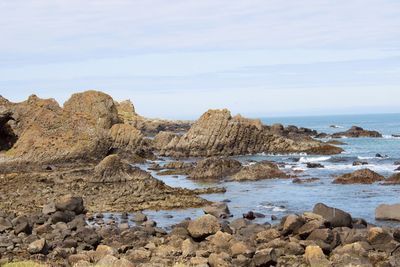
(388, 212)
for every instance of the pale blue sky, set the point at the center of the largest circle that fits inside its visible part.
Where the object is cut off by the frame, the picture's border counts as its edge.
(176, 59)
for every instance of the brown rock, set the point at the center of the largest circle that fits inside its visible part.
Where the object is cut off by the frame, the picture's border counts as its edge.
(388, 212)
(204, 226)
(214, 168)
(357, 132)
(259, 170)
(364, 176)
(315, 257)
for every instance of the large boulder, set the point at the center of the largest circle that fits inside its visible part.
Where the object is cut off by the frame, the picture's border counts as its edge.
(203, 226)
(259, 170)
(388, 212)
(356, 131)
(217, 133)
(336, 217)
(215, 168)
(364, 176)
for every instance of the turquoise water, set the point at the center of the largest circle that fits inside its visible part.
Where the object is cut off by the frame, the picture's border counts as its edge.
(279, 196)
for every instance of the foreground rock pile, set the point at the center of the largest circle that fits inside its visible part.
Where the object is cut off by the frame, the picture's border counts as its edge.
(60, 235)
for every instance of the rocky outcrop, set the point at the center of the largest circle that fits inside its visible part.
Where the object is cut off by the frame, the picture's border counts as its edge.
(217, 133)
(7, 135)
(48, 133)
(127, 140)
(388, 212)
(364, 176)
(259, 170)
(393, 179)
(355, 132)
(215, 168)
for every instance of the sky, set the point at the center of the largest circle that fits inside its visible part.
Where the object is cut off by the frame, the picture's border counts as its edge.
(178, 58)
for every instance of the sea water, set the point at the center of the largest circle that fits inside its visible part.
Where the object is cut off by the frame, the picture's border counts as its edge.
(280, 197)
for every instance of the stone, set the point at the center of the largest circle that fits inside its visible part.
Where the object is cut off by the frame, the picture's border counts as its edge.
(108, 260)
(215, 168)
(355, 132)
(313, 165)
(388, 212)
(5, 224)
(265, 257)
(217, 209)
(221, 259)
(378, 236)
(259, 170)
(188, 248)
(336, 217)
(267, 235)
(70, 203)
(315, 257)
(364, 176)
(204, 226)
(38, 246)
(139, 217)
(49, 208)
(292, 224)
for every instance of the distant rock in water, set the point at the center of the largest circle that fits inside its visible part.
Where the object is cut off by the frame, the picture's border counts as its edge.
(392, 180)
(258, 171)
(215, 168)
(388, 212)
(356, 131)
(313, 165)
(364, 176)
(217, 133)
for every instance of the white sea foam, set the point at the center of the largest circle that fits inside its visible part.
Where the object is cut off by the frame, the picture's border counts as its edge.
(313, 159)
(386, 136)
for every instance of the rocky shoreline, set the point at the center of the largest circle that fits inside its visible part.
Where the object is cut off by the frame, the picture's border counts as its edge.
(62, 235)
(91, 147)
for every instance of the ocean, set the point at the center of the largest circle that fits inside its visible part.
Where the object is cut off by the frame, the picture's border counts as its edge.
(280, 197)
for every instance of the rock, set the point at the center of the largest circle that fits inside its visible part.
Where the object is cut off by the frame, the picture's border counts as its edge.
(241, 248)
(126, 139)
(267, 235)
(291, 224)
(139, 217)
(70, 203)
(217, 133)
(221, 259)
(217, 209)
(188, 248)
(38, 246)
(393, 179)
(108, 260)
(364, 176)
(336, 217)
(315, 257)
(359, 163)
(355, 132)
(312, 165)
(204, 226)
(220, 240)
(265, 257)
(259, 170)
(249, 215)
(388, 212)
(22, 225)
(303, 181)
(214, 168)
(49, 208)
(5, 224)
(378, 236)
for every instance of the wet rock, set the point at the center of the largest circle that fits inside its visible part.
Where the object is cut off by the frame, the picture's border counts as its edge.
(204, 226)
(388, 212)
(355, 132)
(249, 215)
(259, 170)
(393, 179)
(215, 168)
(364, 176)
(336, 217)
(312, 165)
(139, 217)
(217, 209)
(359, 163)
(306, 180)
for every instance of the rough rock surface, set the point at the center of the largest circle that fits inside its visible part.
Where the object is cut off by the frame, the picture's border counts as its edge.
(336, 217)
(393, 179)
(214, 168)
(364, 176)
(259, 170)
(356, 131)
(218, 133)
(47, 133)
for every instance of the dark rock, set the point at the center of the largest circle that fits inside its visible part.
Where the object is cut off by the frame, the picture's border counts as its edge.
(312, 165)
(359, 163)
(249, 215)
(364, 176)
(336, 217)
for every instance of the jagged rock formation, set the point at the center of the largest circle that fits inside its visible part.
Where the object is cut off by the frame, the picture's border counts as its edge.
(126, 138)
(218, 133)
(7, 135)
(48, 133)
(364, 176)
(355, 132)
